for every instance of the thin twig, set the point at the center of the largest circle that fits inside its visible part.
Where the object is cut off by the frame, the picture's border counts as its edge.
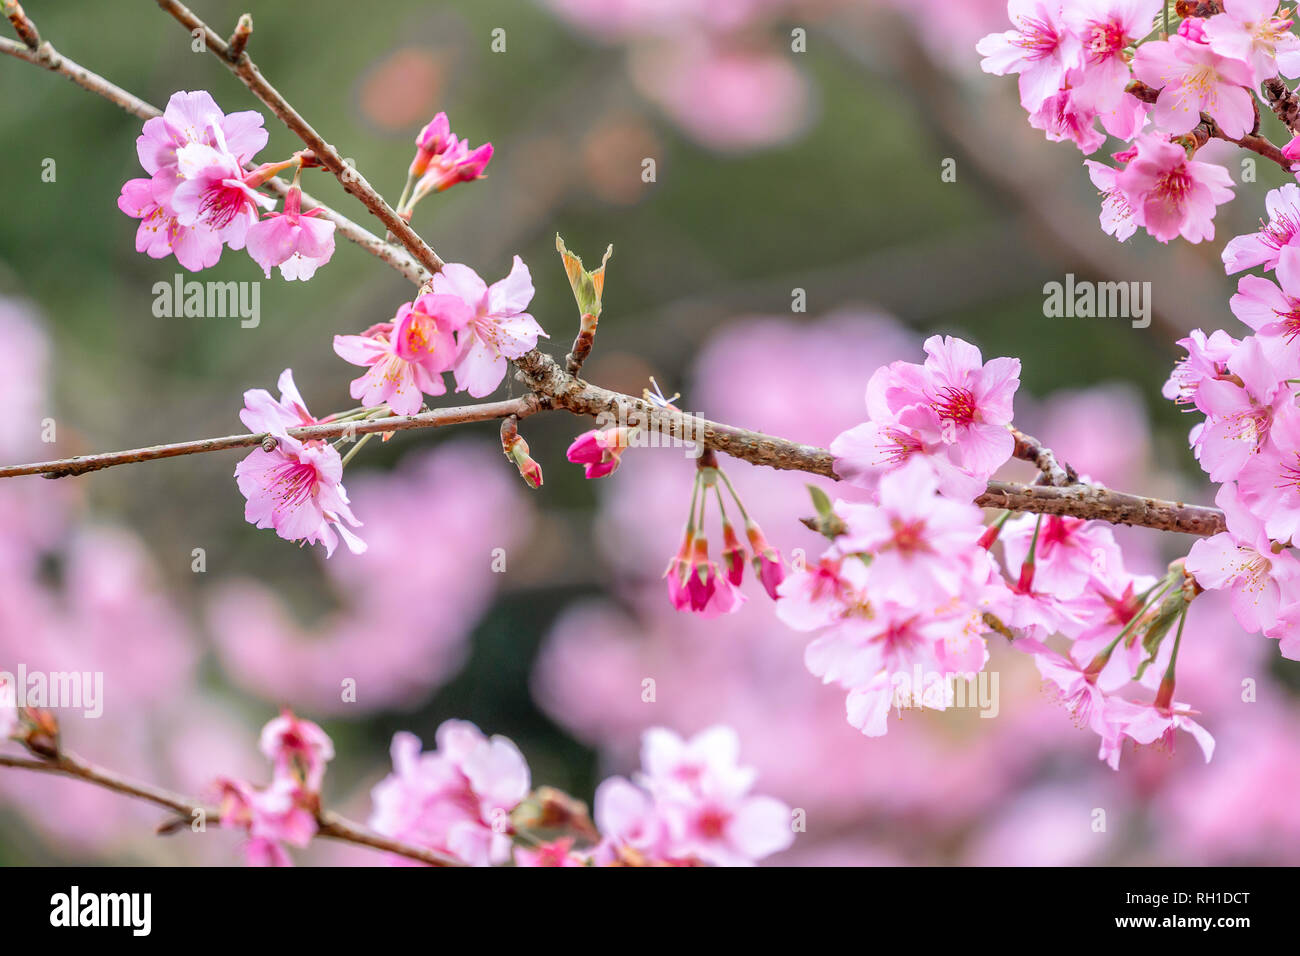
(438, 418)
(330, 825)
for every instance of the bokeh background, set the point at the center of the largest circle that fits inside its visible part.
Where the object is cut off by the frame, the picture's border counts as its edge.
(776, 170)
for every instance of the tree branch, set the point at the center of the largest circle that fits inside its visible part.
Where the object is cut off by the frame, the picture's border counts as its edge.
(438, 418)
(330, 825)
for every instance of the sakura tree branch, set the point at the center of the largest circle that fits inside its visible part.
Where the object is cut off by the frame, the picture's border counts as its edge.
(329, 825)
(238, 62)
(438, 418)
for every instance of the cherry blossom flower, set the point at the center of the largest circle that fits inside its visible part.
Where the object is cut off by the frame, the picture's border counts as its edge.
(1104, 29)
(1149, 723)
(866, 451)
(1116, 214)
(263, 413)
(296, 489)
(600, 450)
(701, 795)
(499, 328)
(456, 799)
(455, 163)
(1277, 243)
(1069, 552)
(1041, 48)
(212, 192)
(298, 242)
(1242, 560)
(297, 749)
(1250, 30)
(1271, 311)
(196, 118)
(1194, 79)
(160, 234)
(1076, 688)
(1207, 358)
(1063, 117)
(918, 540)
(1239, 411)
(1269, 482)
(406, 358)
(1171, 195)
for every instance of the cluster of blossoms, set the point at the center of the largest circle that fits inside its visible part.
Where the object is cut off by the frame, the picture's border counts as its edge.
(286, 810)
(696, 582)
(1086, 62)
(1250, 438)
(471, 799)
(462, 325)
(908, 589)
(201, 195)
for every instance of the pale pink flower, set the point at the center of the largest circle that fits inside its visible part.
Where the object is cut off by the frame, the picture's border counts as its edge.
(298, 749)
(1269, 482)
(1077, 690)
(1277, 243)
(1069, 554)
(818, 596)
(263, 413)
(1104, 29)
(456, 799)
(296, 489)
(867, 451)
(625, 815)
(1116, 214)
(1062, 117)
(1242, 561)
(920, 542)
(406, 358)
(196, 118)
(281, 813)
(499, 329)
(880, 637)
(1239, 411)
(160, 234)
(1148, 723)
(1171, 195)
(212, 193)
(1250, 30)
(298, 242)
(1194, 79)
(1207, 358)
(1040, 47)
(702, 795)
